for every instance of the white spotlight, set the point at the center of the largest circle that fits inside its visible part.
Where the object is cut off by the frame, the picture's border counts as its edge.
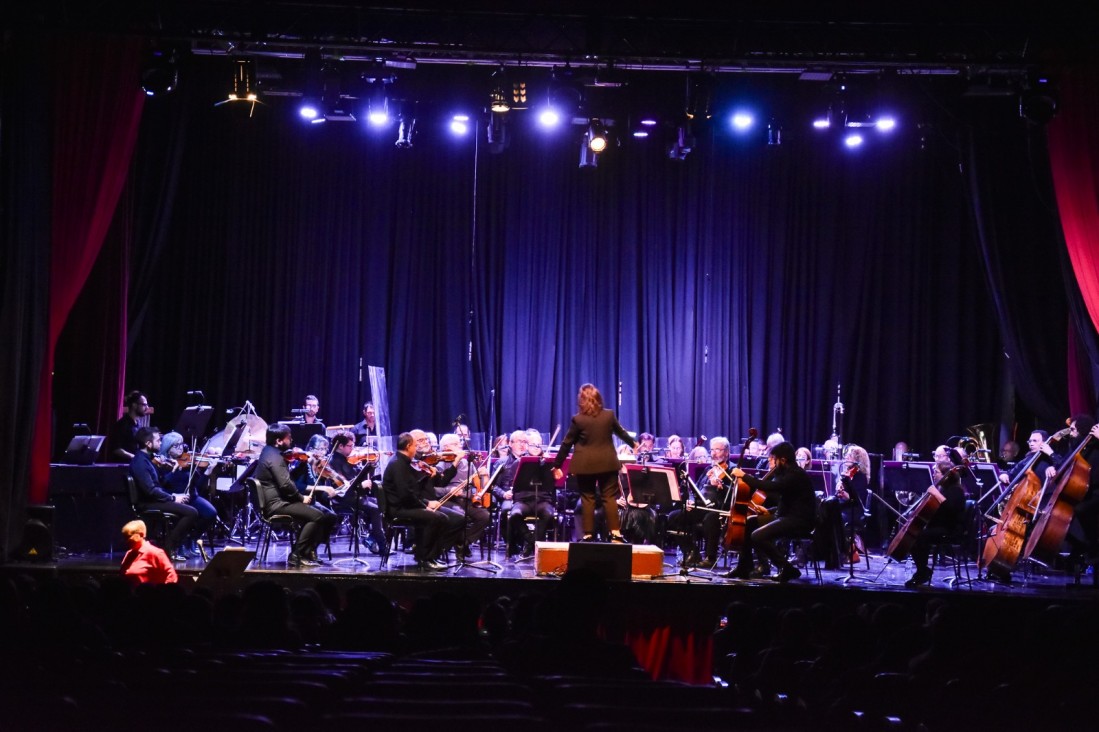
(742, 121)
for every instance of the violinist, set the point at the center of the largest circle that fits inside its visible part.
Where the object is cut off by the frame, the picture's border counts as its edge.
(688, 522)
(842, 513)
(189, 483)
(405, 498)
(944, 521)
(465, 482)
(314, 477)
(514, 447)
(151, 494)
(794, 516)
(281, 496)
(343, 443)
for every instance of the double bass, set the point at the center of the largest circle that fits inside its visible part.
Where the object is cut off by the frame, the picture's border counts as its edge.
(740, 497)
(1007, 539)
(1053, 521)
(916, 519)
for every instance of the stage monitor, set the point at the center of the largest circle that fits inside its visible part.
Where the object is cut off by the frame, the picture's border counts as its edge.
(609, 561)
(534, 476)
(224, 569)
(652, 484)
(83, 449)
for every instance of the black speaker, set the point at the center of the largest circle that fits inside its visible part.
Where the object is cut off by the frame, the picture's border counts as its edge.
(609, 561)
(37, 542)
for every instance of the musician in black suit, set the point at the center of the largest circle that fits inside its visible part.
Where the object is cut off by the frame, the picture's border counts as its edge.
(794, 516)
(595, 464)
(280, 496)
(406, 487)
(124, 444)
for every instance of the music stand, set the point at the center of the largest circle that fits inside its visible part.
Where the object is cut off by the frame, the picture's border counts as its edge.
(83, 449)
(485, 565)
(224, 569)
(301, 432)
(652, 484)
(192, 423)
(356, 512)
(533, 472)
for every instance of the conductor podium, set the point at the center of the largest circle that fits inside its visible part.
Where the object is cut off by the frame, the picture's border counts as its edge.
(613, 561)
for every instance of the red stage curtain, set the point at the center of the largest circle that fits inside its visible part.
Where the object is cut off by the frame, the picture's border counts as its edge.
(97, 108)
(1074, 164)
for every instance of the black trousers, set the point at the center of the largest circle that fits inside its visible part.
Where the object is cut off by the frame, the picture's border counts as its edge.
(438, 531)
(186, 518)
(603, 486)
(761, 535)
(317, 523)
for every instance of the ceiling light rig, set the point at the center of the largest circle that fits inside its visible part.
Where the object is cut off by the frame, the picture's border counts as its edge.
(244, 87)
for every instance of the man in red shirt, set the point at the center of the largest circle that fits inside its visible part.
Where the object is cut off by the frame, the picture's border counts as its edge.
(145, 562)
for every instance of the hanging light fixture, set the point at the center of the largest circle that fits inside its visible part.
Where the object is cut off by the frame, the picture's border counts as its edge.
(244, 86)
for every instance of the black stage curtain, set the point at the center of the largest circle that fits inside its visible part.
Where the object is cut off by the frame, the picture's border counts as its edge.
(736, 288)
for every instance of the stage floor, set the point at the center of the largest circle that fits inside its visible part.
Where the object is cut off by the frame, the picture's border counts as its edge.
(879, 575)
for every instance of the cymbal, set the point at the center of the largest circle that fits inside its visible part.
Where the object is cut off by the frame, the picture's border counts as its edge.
(252, 439)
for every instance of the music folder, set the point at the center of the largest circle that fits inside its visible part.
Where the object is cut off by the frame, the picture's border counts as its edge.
(224, 569)
(534, 475)
(192, 423)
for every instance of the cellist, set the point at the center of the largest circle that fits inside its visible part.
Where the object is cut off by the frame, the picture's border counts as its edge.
(714, 485)
(795, 515)
(1083, 535)
(944, 521)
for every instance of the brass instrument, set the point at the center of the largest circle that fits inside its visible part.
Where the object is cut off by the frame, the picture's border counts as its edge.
(976, 442)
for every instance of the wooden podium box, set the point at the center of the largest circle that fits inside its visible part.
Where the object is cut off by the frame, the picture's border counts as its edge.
(552, 557)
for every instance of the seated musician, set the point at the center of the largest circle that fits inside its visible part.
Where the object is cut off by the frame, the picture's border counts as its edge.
(804, 458)
(310, 409)
(686, 522)
(312, 477)
(407, 485)
(1083, 534)
(943, 522)
(842, 513)
(674, 448)
(458, 491)
(795, 516)
(512, 449)
(1037, 442)
(151, 495)
(281, 496)
(143, 562)
(775, 438)
(529, 500)
(343, 444)
(191, 483)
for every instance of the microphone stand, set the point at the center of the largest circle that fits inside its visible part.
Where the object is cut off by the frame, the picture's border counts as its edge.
(356, 520)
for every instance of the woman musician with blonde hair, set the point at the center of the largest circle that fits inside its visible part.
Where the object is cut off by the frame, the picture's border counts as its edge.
(843, 511)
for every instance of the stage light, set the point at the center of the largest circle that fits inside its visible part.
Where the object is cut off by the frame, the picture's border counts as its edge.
(700, 88)
(588, 157)
(597, 135)
(499, 100)
(549, 117)
(459, 124)
(742, 121)
(160, 76)
(243, 89)
(378, 80)
(310, 111)
(885, 124)
(853, 140)
(641, 133)
(404, 131)
(496, 132)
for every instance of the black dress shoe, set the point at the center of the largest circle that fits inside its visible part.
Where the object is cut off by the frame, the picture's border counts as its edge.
(738, 573)
(430, 565)
(317, 561)
(787, 573)
(293, 560)
(691, 560)
(618, 539)
(707, 563)
(463, 552)
(922, 577)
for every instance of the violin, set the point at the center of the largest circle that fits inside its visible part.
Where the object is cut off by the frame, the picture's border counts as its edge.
(295, 453)
(433, 458)
(204, 461)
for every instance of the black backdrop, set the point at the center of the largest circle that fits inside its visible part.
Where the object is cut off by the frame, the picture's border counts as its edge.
(736, 288)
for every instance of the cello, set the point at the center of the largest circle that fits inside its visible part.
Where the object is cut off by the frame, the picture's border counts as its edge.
(1007, 539)
(916, 519)
(1053, 522)
(740, 501)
